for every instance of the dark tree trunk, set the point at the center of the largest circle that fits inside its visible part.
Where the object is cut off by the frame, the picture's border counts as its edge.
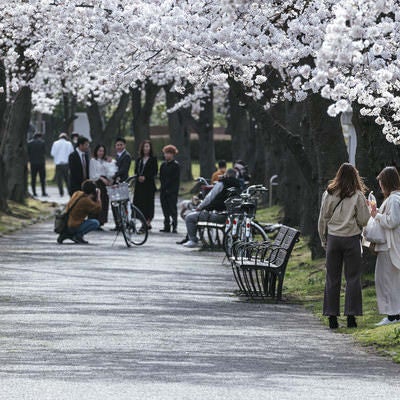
(3, 97)
(96, 121)
(374, 152)
(142, 111)
(3, 107)
(179, 133)
(204, 126)
(14, 152)
(101, 132)
(69, 108)
(238, 127)
(111, 130)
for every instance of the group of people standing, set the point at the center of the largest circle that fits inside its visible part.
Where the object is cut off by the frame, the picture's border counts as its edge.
(75, 168)
(343, 214)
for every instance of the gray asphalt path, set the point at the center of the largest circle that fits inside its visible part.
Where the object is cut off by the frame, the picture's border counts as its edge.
(159, 321)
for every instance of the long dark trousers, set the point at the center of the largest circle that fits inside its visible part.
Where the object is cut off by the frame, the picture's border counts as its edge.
(62, 175)
(169, 209)
(41, 170)
(339, 251)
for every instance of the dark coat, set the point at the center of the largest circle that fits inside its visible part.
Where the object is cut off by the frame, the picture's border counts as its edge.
(76, 170)
(169, 177)
(37, 151)
(218, 203)
(144, 191)
(123, 164)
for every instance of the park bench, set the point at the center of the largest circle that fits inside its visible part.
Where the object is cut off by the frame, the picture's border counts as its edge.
(259, 268)
(211, 233)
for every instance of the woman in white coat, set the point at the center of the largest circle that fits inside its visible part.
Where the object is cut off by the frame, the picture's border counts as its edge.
(101, 170)
(387, 270)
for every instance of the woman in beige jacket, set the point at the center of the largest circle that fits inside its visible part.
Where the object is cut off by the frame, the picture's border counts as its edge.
(343, 213)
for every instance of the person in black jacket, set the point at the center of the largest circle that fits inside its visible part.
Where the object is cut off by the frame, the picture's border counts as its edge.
(123, 159)
(215, 200)
(37, 160)
(78, 162)
(169, 179)
(146, 169)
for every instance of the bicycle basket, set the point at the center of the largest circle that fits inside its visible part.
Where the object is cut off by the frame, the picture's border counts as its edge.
(233, 205)
(118, 192)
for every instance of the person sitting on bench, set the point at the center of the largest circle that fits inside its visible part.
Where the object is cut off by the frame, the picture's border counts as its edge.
(214, 201)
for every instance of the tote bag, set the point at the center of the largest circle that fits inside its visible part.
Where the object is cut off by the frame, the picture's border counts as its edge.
(374, 232)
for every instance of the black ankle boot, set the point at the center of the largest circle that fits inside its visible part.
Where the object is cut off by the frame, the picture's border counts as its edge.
(351, 321)
(333, 323)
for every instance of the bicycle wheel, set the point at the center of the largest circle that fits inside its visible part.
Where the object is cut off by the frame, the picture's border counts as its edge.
(137, 231)
(124, 221)
(228, 242)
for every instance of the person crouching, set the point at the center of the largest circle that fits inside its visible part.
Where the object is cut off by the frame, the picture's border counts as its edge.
(84, 204)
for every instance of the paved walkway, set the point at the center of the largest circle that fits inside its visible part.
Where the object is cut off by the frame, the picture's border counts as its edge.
(160, 322)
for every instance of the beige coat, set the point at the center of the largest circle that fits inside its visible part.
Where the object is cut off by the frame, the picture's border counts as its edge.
(349, 218)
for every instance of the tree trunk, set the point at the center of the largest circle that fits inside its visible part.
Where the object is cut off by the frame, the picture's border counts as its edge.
(142, 111)
(111, 130)
(15, 152)
(179, 133)
(238, 127)
(96, 121)
(374, 152)
(3, 107)
(101, 132)
(204, 126)
(69, 107)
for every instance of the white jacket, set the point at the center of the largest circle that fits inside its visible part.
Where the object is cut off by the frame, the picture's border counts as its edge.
(389, 218)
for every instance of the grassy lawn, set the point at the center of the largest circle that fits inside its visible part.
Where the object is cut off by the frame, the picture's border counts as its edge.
(24, 214)
(304, 283)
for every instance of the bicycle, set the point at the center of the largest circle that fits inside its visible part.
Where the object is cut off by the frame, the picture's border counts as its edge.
(128, 218)
(240, 223)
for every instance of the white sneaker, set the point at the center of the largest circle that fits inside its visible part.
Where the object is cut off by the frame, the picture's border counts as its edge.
(386, 321)
(191, 244)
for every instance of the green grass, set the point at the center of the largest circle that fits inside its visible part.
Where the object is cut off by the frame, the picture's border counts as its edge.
(304, 284)
(24, 214)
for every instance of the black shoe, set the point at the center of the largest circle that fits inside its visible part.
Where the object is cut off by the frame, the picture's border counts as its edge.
(351, 321)
(333, 323)
(45, 195)
(165, 230)
(79, 240)
(34, 194)
(63, 236)
(184, 240)
(174, 231)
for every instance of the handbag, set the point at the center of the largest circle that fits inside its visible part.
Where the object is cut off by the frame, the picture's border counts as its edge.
(61, 218)
(374, 232)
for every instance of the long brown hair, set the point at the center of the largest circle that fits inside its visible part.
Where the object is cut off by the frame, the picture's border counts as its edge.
(141, 148)
(390, 180)
(347, 181)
